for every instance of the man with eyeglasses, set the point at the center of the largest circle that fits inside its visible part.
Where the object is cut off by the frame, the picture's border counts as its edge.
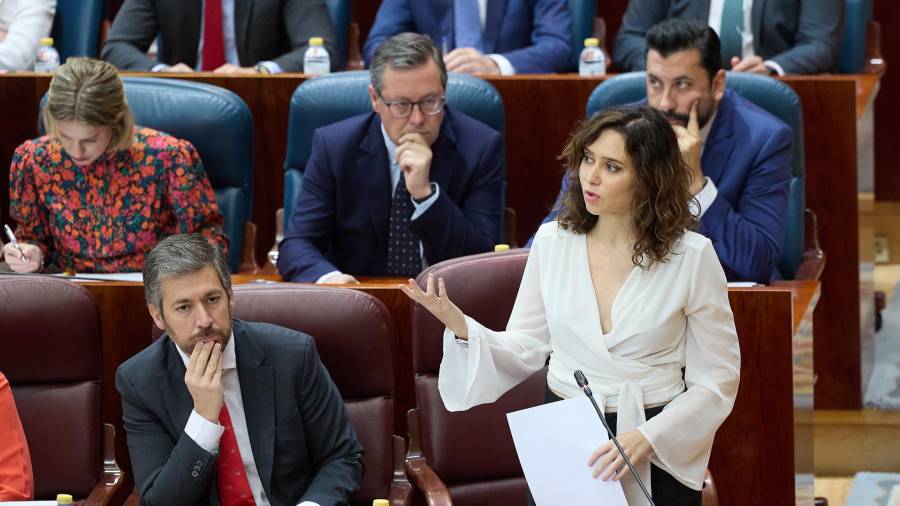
(408, 185)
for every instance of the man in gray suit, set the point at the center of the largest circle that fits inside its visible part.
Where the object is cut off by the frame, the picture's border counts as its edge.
(762, 36)
(221, 411)
(260, 36)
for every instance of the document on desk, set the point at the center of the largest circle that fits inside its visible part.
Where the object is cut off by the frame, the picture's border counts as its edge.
(554, 442)
(115, 276)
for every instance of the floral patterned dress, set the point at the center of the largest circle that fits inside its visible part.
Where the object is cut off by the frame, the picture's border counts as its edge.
(107, 216)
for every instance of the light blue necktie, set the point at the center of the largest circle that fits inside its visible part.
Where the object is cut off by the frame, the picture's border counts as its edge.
(731, 29)
(467, 24)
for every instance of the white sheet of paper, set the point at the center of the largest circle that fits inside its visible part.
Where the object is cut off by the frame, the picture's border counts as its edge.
(742, 284)
(116, 276)
(554, 442)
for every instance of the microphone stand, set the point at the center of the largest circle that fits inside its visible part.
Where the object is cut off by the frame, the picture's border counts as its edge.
(583, 384)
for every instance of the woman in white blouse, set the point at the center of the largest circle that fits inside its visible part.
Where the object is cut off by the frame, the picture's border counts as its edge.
(620, 288)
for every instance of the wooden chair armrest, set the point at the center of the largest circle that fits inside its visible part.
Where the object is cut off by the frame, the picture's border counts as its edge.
(811, 268)
(710, 496)
(401, 489)
(111, 480)
(510, 231)
(133, 499)
(813, 258)
(875, 63)
(248, 264)
(426, 480)
(354, 54)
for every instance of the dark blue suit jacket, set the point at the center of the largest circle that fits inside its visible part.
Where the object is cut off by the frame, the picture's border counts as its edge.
(303, 444)
(803, 36)
(748, 157)
(340, 219)
(534, 35)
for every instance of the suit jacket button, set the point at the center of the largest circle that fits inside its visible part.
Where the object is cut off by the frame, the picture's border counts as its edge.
(199, 463)
(195, 474)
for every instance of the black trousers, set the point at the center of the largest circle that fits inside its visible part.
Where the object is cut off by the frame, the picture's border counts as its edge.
(665, 489)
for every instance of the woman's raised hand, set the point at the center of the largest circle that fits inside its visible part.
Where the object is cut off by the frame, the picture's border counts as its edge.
(438, 304)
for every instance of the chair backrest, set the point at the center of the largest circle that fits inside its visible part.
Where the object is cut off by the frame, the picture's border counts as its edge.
(219, 124)
(334, 97)
(355, 336)
(76, 27)
(773, 96)
(339, 12)
(852, 53)
(583, 12)
(51, 354)
(484, 287)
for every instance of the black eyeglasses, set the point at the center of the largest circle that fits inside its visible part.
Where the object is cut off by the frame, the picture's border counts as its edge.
(403, 108)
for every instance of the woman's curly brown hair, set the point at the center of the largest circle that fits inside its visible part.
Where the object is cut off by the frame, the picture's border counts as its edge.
(661, 205)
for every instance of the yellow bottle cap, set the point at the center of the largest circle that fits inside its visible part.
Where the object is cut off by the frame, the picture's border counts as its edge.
(63, 499)
(501, 247)
(381, 502)
(316, 41)
(591, 42)
(47, 41)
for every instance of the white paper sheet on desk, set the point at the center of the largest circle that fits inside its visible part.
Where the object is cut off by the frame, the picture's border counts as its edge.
(115, 276)
(554, 442)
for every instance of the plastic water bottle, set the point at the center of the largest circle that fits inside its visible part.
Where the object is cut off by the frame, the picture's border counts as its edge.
(316, 61)
(47, 59)
(592, 61)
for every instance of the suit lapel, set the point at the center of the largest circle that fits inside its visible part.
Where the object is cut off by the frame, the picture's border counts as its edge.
(756, 22)
(171, 386)
(189, 38)
(258, 395)
(492, 20)
(720, 143)
(242, 11)
(373, 173)
(445, 156)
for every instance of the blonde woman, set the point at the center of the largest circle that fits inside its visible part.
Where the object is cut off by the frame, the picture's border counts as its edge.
(97, 193)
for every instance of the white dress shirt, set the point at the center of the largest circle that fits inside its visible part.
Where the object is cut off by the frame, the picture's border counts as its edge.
(674, 315)
(715, 22)
(25, 23)
(207, 434)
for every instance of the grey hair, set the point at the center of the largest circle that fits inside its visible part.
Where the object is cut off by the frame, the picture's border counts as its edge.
(405, 51)
(179, 255)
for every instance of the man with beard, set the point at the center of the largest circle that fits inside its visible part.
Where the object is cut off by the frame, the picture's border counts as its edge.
(410, 184)
(739, 154)
(221, 411)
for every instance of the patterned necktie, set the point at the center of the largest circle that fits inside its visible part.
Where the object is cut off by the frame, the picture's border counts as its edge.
(467, 24)
(403, 244)
(213, 38)
(730, 31)
(234, 488)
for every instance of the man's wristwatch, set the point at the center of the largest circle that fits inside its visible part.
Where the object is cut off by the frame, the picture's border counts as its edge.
(261, 69)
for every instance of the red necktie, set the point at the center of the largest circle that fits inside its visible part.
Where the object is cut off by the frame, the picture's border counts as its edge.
(213, 40)
(234, 489)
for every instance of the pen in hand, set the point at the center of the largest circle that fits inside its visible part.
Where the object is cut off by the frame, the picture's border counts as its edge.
(12, 240)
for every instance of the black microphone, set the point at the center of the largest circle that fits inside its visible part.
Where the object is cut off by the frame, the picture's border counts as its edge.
(583, 384)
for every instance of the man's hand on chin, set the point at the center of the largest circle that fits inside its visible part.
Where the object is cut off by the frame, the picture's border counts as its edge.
(204, 379)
